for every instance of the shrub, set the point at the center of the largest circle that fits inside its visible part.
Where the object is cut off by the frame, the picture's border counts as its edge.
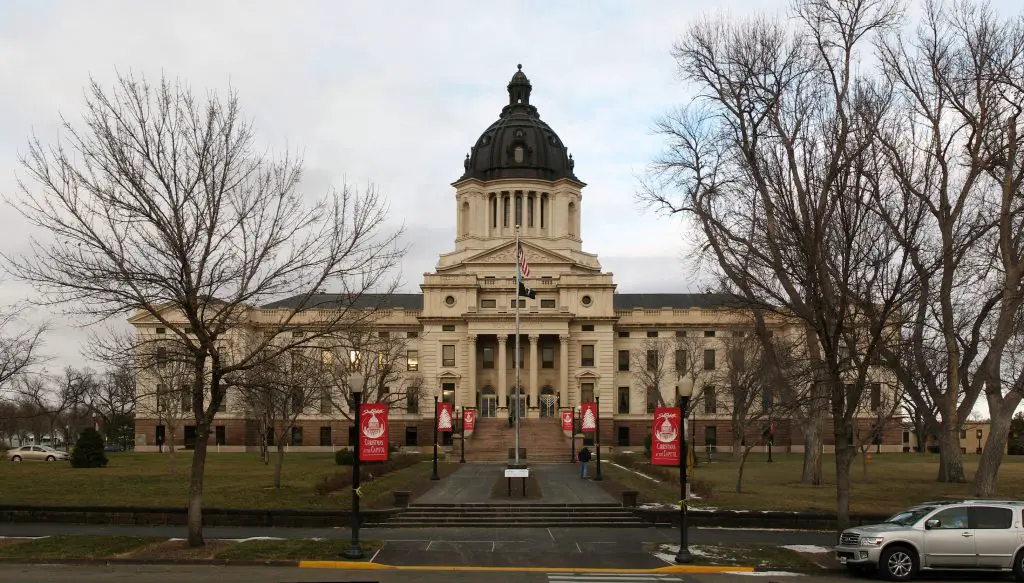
(88, 451)
(701, 488)
(367, 471)
(344, 457)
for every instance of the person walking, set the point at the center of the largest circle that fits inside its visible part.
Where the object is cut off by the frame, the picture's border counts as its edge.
(584, 457)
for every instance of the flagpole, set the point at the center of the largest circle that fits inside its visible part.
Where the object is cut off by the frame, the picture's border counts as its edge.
(519, 279)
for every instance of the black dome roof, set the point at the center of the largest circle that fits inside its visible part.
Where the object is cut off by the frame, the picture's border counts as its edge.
(519, 144)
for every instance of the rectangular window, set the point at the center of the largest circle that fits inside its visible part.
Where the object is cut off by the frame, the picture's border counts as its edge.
(298, 333)
(991, 518)
(680, 362)
(490, 303)
(587, 393)
(623, 400)
(623, 361)
(546, 280)
(512, 356)
(448, 393)
(709, 333)
(161, 398)
(412, 334)
(161, 356)
(623, 333)
(710, 400)
(220, 435)
(326, 404)
(297, 401)
(488, 357)
(652, 360)
(876, 396)
(412, 360)
(652, 333)
(711, 437)
(512, 303)
(296, 436)
(709, 359)
(587, 355)
(412, 402)
(382, 334)
(161, 434)
(547, 303)
(161, 330)
(325, 436)
(448, 355)
(588, 327)
(489, 280)
(652, 401)
(739, 360)
(222, 407)
(547, 356)
(448, 328)
(680, 333)
(767, 400)
(410, 436)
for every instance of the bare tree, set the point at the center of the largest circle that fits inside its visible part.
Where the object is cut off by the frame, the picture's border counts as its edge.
(776, 165)
(54, 397)
(954, 144)
(882, 409)
(284, 388)
(688, 365)
(747, 399)
(160, 206)
(380, 357)
(112, 397)
(654, 370)
(164, 373)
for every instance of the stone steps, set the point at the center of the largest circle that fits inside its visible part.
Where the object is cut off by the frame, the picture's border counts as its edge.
(509, 515)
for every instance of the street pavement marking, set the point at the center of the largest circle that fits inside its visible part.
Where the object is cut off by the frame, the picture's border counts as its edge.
(363, 565)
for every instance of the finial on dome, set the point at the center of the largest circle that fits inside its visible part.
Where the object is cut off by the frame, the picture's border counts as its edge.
(519, 88)
(519, 66)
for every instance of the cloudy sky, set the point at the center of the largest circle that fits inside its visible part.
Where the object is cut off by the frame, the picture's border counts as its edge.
(392, 93)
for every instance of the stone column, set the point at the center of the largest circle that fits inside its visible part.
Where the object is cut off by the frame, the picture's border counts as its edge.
(563, 369)
(502, 365)
(469, 395)
(534, 389)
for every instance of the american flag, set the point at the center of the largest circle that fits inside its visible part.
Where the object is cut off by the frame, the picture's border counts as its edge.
(524, 267)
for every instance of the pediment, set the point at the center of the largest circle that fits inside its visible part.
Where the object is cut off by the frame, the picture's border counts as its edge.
(587, 374)
(507, 254)
(448, 374)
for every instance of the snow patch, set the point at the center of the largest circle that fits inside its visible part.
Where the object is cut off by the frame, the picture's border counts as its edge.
(762, 529)
(807, 549)
(244, 540)
(632, 471)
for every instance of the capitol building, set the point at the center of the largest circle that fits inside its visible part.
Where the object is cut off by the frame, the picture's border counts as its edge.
(579, 340)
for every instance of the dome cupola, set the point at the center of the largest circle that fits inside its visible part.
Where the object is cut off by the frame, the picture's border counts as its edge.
(519, 144)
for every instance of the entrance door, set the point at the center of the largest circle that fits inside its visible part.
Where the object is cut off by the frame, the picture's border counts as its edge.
(488, 403)
(518, 397)
(190, 437)
(547, 402)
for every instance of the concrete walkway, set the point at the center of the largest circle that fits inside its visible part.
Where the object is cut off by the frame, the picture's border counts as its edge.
(559, 483)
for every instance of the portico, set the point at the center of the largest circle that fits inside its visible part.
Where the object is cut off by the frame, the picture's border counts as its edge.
(489, 383)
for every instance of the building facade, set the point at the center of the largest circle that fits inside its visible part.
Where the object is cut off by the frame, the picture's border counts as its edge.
(579, 340)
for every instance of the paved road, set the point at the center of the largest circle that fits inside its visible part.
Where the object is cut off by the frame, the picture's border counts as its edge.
(201, 574)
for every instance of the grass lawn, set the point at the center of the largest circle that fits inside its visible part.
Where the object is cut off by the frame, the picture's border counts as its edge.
(75, 547)
(893, 482)
(764, 556)
(294, 550)
(233, 480)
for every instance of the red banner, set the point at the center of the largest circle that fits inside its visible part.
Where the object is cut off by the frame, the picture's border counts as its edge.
(665, 437)
(444, 417)
(566, 420)
(373, 432)
(588, 416)
(469, 419)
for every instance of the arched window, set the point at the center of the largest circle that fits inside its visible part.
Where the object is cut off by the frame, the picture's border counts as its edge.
(504, 209)
(519, 209)
(572, 219)
(543, 210)
(465, 218)
(494, 210)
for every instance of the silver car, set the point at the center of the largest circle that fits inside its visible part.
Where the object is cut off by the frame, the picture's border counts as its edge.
(978, 535)
(36, 452)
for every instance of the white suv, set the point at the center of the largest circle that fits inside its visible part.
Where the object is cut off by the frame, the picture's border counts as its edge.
(978, 535)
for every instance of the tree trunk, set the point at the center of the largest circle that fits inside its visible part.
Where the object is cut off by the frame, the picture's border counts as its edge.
(844, 459)
(279, 463)
(171, 456)
(739, 475)
(195, 486)
(864, 464)
(984, 483)
(812, 471)
(951, 461)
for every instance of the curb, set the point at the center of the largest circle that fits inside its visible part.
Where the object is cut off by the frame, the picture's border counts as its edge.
(368, 566)
(363, 566)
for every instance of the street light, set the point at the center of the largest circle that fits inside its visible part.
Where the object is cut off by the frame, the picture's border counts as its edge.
(355, 385)
(684, 392)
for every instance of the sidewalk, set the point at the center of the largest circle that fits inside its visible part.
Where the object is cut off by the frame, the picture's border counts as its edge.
(559, 484)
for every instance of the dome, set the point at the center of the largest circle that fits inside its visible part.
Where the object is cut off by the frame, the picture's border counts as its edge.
(519, 144)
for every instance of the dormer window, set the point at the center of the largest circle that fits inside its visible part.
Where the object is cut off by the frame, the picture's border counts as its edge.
(519, 154)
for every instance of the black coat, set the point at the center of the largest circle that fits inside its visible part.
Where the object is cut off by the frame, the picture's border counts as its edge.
(584, 455)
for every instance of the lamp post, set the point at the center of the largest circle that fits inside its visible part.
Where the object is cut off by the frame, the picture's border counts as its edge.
(434, 477)
(462, 436)
(683, 556)
(597, 436)
(355, 385)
